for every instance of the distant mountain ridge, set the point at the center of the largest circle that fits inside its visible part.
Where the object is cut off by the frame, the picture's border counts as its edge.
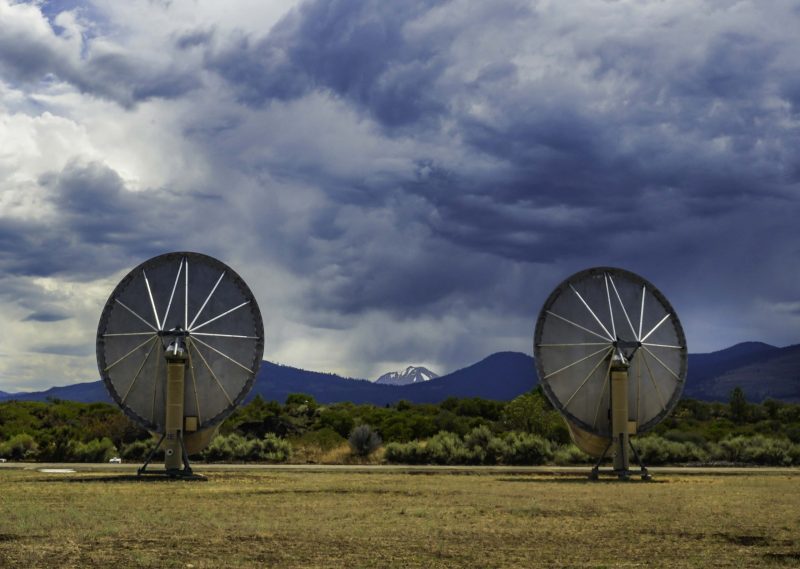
(500, 376)
(89, 392)
(761, 370)
(412, 374)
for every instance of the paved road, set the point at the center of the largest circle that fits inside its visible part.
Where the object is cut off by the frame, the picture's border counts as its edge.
(130, 468)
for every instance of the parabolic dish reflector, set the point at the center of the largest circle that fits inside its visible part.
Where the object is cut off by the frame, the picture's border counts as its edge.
(189, 296)
(585, 320)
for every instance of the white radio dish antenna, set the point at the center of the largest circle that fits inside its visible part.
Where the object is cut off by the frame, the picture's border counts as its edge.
(611, 357)
(179, 344)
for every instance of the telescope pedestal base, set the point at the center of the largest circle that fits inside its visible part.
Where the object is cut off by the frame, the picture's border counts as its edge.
(623, 474)
(184, 473)
(172, 474)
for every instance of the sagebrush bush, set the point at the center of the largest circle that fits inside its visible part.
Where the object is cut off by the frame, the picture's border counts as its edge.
(570, 454)
(655, 450)
(484, 447)
(238, 448)
(405, 453)
(496, 450)
(757, 450)
(217, 450)
(275, 449)
(19, 447)
(96, 450)
(477, 447)
(479, 436)
(138, 450)
(524, 448)
(447, 448)
(364, 440)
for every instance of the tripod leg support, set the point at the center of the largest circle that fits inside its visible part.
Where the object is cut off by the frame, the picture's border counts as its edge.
(187, 470)
(150, 456)
(644, 472)
(595, 473)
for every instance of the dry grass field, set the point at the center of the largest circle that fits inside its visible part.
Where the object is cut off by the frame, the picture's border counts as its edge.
(395, 519)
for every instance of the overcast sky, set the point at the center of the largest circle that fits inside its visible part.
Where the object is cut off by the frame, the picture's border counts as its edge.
(398, 182)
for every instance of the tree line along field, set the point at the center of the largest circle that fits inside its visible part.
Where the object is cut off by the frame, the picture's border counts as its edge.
(381, 519)
(525, 430)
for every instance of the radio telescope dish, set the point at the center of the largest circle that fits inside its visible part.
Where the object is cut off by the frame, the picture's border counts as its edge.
(191, 316)
(599, 322)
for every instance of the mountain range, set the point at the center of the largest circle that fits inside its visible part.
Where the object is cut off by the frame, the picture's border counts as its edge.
(412, 374)
(761, 370)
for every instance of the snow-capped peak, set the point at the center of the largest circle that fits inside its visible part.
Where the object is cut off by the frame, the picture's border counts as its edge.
(412, 374)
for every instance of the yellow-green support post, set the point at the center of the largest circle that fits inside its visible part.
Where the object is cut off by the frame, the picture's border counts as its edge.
(173, 423)
(619, 417)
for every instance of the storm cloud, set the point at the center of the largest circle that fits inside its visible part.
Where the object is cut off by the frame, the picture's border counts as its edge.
(398, 182)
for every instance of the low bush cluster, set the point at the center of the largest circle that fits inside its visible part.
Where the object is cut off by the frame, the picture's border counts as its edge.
(655, 450)
(25, 447)
(756, 449)
(235, 447)
(19, 447)
(139, 450)
(96, 450)
(569, 455)
(479, 446)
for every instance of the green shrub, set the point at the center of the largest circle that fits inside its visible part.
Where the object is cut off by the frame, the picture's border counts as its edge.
(570, 454)
(525, 448)
(240, 448)
(484, 447)
(479, 446)
(138, 450)
(235, 447)
(96, 450)
(442, 448)
(496, 450)
(757, 450)
(19, 447)
(654, 450)
(275, 449)
(447, 448)
(218, 450)
(405, 453)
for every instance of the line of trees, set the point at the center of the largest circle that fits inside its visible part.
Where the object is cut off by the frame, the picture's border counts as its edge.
(526, 430)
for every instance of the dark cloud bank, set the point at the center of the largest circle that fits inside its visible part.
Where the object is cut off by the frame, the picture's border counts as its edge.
(665, 143)
(531, 142)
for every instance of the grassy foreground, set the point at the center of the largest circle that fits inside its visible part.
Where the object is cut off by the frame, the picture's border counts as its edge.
(389, 519)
